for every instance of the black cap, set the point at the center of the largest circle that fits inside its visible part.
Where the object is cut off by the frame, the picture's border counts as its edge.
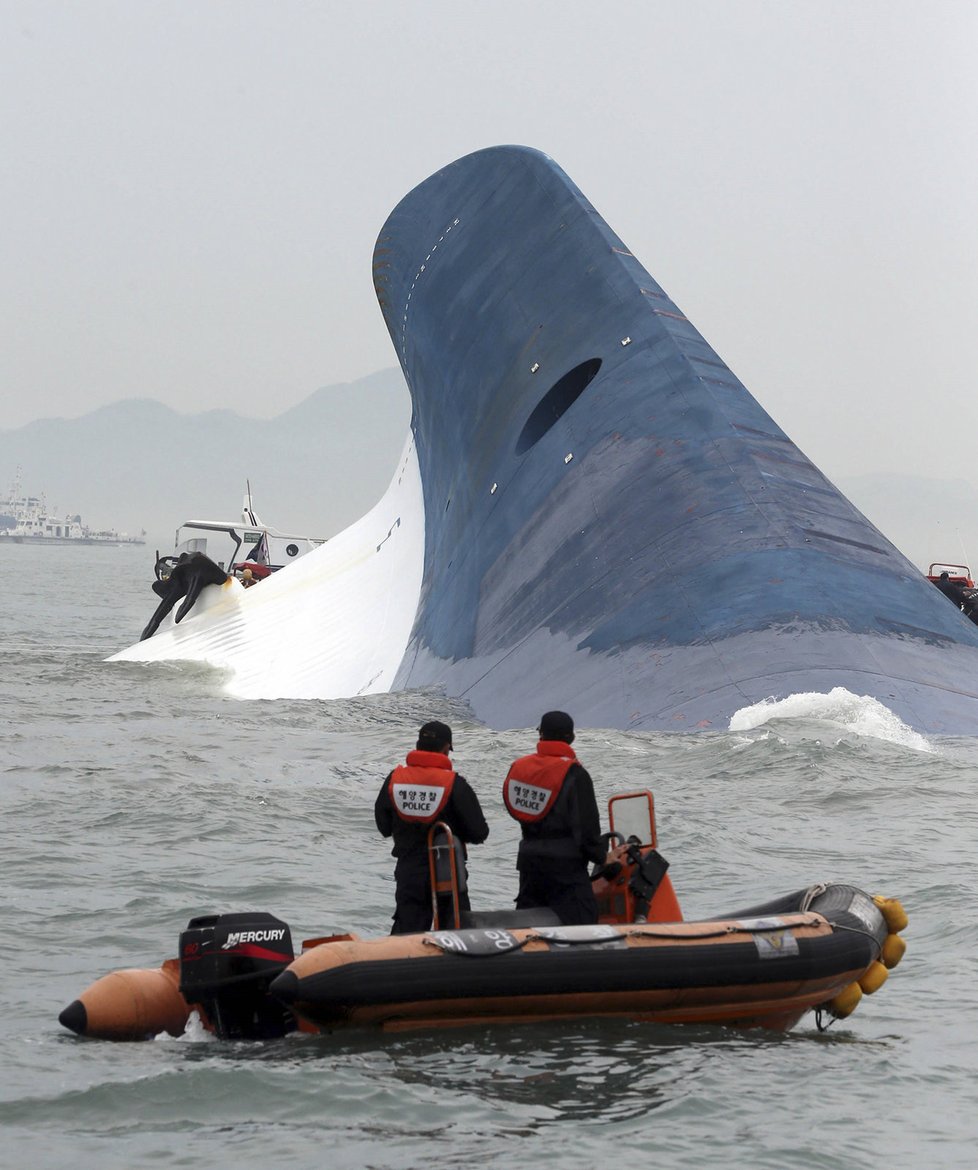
(556, 725)
(434, 736)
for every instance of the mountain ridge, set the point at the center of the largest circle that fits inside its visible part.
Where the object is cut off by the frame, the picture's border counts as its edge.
(138, 464)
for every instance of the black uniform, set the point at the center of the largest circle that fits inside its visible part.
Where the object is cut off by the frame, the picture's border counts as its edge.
(958, 595)
(952, 591)
(462, 814)
(555, 851)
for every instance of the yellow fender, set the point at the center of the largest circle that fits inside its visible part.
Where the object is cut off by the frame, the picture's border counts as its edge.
(893, 912)
(894, 948)
(874, 977)
(846, 1002)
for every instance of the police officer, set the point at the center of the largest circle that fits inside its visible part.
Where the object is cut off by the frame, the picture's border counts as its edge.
(419, 792)
(552, 797)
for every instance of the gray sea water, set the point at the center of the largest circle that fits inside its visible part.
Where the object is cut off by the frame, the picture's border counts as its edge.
(136, 796)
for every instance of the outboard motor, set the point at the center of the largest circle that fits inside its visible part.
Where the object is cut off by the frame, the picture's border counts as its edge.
(226, 964)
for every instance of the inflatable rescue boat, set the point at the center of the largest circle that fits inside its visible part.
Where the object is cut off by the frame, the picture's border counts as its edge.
(815, 949)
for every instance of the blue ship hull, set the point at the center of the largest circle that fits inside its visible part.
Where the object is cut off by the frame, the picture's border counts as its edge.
(613, 525)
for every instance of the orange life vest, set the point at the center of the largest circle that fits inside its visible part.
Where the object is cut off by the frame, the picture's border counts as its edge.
(419, 789)
(534, 782)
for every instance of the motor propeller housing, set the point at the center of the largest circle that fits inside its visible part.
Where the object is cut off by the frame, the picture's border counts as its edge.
(226, 964)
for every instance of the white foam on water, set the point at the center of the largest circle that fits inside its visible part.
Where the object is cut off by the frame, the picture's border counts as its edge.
(194, 1033)
(746, 741)
(855, 714)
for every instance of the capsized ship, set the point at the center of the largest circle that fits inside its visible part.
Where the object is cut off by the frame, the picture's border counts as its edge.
(592, 511)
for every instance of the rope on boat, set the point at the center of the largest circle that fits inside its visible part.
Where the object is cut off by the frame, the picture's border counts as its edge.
(811, 894)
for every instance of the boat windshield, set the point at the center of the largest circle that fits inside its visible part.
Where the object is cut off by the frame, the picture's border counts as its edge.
(221, 542)
(632, 814)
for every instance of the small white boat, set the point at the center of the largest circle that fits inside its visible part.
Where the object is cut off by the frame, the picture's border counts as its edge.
(224, 553)
(247, 548)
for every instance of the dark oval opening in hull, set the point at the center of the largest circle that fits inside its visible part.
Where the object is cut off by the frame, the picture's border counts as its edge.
(559, 398)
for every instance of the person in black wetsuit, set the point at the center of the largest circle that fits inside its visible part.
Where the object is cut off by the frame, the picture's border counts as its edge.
(416, 794)
(552, 797)
(188, 577)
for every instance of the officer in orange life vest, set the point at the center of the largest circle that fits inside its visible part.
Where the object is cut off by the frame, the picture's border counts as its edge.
(417, 793)
(552, 797)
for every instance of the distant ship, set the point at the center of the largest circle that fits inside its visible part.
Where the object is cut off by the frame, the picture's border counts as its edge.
(27, 519)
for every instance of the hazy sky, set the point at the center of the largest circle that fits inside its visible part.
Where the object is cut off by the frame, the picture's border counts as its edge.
(191, 191)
